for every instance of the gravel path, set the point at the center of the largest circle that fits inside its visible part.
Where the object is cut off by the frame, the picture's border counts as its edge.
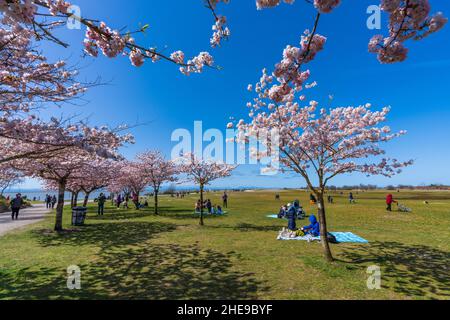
(27, 216)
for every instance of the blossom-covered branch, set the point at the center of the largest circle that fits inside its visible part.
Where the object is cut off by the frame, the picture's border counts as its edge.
(29, 14)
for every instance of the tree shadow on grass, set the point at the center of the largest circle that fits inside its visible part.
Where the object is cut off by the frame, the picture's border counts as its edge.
(160, 271)
(412, 270)
(105, 235)
(123, 214)
(247, 227)
(119, 215)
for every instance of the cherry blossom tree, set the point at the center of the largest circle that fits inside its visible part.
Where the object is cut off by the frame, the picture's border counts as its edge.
(28, 82)
(83, 147)
(202, 172)
(127, 177)
(156, 171)
(95, 175)
(59, 169)
(41, 17)
(34, 139)
(408, 20)
(27, 79)
(322, 144)
(8, 178)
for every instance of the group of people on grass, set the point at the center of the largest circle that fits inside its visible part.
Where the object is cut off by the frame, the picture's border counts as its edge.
(123, 200)
(209, 207)
(295, 211)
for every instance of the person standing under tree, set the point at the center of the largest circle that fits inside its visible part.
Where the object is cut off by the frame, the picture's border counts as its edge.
(54, 202)
(16, 205)
(101, 204)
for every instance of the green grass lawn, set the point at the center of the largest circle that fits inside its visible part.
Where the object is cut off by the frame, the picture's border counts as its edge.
(137, 255)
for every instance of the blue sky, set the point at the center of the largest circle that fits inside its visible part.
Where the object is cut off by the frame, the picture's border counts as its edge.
(157, 94)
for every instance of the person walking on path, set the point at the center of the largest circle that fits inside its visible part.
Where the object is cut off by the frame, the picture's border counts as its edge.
(225, 200)
(101, 204)
(48, 201)
(54, 202)
(16, 205)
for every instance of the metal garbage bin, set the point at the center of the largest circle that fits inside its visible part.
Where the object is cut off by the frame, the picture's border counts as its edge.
(78, 216)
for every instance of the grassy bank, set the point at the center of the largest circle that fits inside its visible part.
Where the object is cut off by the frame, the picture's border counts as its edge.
(137, 255)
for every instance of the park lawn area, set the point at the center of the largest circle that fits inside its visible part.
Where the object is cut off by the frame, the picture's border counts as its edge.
(129, 254)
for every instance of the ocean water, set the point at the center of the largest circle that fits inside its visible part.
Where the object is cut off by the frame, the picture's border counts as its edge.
(39, 195)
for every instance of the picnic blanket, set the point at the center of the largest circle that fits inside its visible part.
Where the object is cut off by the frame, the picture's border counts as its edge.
(275, 216)
(341, 237)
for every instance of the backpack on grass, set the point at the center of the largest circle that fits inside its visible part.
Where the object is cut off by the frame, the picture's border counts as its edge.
(331, 238)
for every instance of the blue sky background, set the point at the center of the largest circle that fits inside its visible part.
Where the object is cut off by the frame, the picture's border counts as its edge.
(418, 90)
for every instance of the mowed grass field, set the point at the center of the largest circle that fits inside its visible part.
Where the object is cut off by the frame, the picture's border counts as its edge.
(130, 254)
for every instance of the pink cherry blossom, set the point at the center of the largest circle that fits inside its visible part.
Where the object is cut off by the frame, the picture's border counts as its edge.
(202, 172)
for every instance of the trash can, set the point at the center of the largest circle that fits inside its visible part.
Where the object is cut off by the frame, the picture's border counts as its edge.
(78, 216)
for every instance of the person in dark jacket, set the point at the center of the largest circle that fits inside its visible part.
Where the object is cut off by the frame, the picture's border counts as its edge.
(314, 228)
(16, 205)
(209, 206)
(291, 215)
(225, 200)
(101, 204)
(54, 200)
(48, 201)
(351, 198)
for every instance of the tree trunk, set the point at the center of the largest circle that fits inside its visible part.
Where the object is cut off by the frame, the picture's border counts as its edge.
(323, 229)
(75, 200)
(72, 200)
(156, 202)
(86, 199)
(201, 206)
(60, 206)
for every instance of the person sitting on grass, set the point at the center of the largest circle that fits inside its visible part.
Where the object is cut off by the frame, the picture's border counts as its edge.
(312, 199)
(282, 212)
(219, 211)
(198, 207)
(314, 228)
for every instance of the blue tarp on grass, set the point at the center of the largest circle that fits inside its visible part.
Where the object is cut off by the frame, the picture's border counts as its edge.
(341, 237)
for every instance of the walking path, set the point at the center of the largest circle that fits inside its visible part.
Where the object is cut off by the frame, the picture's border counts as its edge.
(27, 216)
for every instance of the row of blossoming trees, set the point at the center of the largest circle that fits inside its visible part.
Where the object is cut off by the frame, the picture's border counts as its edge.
(151, 170)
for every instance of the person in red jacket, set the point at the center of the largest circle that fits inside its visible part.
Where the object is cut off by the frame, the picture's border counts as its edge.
(389, 201)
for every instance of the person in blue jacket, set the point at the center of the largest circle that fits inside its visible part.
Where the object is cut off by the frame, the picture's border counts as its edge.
(314, 228)
(291, 215)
